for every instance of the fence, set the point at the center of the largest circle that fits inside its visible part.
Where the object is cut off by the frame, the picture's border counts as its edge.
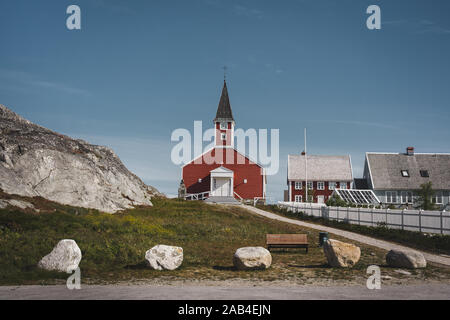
(413, 220)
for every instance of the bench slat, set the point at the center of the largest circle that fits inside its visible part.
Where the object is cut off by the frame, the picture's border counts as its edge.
(286, 239)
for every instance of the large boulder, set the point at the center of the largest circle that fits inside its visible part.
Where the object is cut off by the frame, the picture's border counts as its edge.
(65, 257)
(248, 258)
(341, 254)
(406, 259)
(162, 257)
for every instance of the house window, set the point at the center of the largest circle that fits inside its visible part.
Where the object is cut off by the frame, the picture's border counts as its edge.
(223, 136)
(331, 185)
(298, 185)
(391, 196)
(437, 198)
(405, 173)
(298, 198)
(424, 173)
(343, 185)
(223, 126)
(310, 185)
(406, 197)
(320, 185)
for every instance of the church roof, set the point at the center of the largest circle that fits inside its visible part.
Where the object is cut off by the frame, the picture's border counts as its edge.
(224, 109)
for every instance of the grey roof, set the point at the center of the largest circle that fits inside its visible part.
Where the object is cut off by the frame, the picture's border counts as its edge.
(320, 168)
(385, 170)
(361, 183)
(224, 109)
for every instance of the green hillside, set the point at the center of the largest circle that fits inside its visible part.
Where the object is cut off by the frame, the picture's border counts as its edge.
(113, 246)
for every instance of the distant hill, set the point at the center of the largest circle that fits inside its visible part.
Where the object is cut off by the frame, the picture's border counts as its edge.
(35, 161)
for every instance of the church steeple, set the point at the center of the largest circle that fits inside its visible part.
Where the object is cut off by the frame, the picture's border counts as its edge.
(224, 121)
(224, 112)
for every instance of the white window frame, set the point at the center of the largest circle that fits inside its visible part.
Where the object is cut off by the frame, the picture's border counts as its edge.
(320, 185)
(310, 185)
(390, 195)
(223, 125)
(298, 198)
(298, 185)
(223, 136)
(343, 185)
(405, 173)
(406, 197)
(331, 185)
(437, 198)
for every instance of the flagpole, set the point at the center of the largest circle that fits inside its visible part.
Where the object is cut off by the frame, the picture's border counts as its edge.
(306, 172)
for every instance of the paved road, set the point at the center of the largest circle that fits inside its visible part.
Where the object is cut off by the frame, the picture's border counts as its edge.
(440, 292)
(349, 235)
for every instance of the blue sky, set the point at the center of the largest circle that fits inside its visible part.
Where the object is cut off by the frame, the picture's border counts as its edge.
(140, 69)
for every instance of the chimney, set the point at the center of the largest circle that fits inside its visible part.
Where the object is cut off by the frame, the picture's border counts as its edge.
(410, 151)
(303, 153)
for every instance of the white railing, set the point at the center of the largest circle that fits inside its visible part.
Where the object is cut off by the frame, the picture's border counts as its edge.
(256, 199)
(413, 220)
(236, 194)
(197, 196)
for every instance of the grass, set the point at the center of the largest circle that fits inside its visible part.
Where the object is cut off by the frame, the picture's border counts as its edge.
(113, 246)
(433, 243)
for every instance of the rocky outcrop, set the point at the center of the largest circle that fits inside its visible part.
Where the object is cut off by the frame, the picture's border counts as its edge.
(16, 203)
(406, 259)
(341, 254)
(35, 161)
(248, 258)
(162, 257)
(65, 257)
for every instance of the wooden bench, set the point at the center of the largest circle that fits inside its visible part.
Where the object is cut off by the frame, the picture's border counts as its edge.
(287, 241)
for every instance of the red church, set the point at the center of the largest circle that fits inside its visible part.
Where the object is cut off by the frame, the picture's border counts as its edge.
(222, 174)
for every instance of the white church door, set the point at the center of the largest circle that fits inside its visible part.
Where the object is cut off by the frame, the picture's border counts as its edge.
(222, 187)
(221, 182)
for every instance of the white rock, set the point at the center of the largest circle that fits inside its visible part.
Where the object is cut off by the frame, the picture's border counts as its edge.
(252, 258)
(162, 257)
(406, 259)
(65, 257)
(406, 273)
(341, 254)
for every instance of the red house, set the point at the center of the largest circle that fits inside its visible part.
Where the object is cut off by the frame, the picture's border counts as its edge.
(322, 173)
(222, 174)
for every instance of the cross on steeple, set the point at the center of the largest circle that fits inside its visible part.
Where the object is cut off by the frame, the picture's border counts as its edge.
(225, 73)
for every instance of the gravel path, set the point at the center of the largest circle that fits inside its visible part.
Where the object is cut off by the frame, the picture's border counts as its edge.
(60, 292)
(350, 235)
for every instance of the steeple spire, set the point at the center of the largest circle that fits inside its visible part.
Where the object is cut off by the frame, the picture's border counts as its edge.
(224, 109)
